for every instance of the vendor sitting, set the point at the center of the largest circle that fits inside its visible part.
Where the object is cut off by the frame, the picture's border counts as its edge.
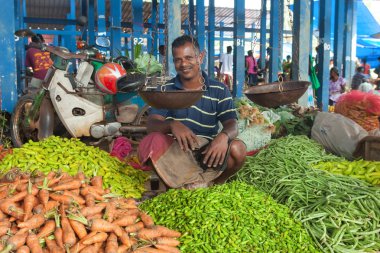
(176, 135)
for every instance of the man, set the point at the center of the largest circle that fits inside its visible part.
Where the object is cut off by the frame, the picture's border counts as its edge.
(173, 134)
(358, 78)
(287, 68)
(162, 53)
(225, 67)
(38, 60)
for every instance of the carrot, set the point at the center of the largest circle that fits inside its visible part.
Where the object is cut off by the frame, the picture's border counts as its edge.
(53, 181)
(123, 249)
(58, 235)
(92, 248)
(112, 245)
(78, 228)
(148, 234)
(15, 242)
(71, 185)
(79, 245)
(18, 196)
(51, 205)
(23, 249)
(98, 237)
(149, 250)
(86, 190)
(90, 200)
(2, 215)
(167, 241)
(47, 229)
(135, 227)
(110, 212)
(97, 181)
(43, 195)
(147, 220)
(126, 220)
(92, 189)
(87, 211)
(35, 221)
(95, 216)
(11, 209)
(124, 238)
(68, 234)
(6, 223)
(62, 198)
(29, 202)
(38, 209)
(4, 230)
(53, 247)
(167, 248)
(100, 225)
(166, 232)
(3, 193)
(76, 198)
(81, 176)
(33, 244)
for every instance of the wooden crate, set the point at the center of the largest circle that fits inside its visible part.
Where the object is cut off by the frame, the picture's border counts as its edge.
(369, 148)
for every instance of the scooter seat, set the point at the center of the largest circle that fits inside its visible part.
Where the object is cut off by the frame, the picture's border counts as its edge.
(130, 82)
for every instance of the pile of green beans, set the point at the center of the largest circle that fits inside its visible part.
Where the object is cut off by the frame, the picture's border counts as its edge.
(341, 213)
(234, 217)
(72, 155)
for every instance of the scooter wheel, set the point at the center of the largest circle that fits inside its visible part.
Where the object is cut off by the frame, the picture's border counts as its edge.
(21, 132)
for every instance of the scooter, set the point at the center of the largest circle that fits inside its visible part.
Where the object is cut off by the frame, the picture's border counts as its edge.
(80, 105)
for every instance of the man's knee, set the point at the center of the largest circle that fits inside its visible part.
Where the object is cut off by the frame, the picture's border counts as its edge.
(238, 151)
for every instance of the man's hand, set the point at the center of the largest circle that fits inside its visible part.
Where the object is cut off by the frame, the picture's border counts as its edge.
(185, 137)
(216, 151)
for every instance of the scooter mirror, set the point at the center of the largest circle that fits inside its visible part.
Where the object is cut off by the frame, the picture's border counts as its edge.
(24, 33)
(82, 21)
(103, 42)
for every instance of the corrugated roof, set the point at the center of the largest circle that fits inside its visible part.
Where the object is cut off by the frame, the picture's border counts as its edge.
(58, 9)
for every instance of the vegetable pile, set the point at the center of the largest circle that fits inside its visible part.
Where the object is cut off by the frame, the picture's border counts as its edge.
(365, 170)
(71, 156)
(234, 217)
(59, 213)
(341, 213)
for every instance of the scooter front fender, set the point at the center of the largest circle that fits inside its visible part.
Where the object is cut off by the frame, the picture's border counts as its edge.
(46, 119)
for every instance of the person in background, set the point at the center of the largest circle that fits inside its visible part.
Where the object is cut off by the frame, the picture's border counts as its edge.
(377, 71)
(337, 86)
(251, 67)
(366, 67)
(225, 67)
(38, 60)
(358, 78)
(183, 127)
(287, 68)
(162, 53)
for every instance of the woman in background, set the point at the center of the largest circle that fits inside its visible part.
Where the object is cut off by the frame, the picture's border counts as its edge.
(337, 86)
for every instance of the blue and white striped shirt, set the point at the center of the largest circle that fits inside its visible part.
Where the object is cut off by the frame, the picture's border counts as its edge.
(216, 105)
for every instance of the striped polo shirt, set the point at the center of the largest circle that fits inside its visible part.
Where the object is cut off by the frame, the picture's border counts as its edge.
(216, 105)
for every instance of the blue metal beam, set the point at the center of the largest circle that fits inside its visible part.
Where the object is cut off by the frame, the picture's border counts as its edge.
(115, 28)
(137, 14)
(173, 8)
(239, 43)
(56, 32)
(69, 38)
(281, 29)
(349, 45)
(201, 23)
(263, 32)
(91, 22)
(8, 67)
(154, 30)
(339, 34)
(161, 21)
(20, 48)
(311, 26)
(191, 16)
(324, 53)
(301, 46)
(221, 38)
(274, 40)
(101, 17)
(211, 38)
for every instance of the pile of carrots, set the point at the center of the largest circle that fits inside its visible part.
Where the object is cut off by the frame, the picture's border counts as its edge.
(62, 213)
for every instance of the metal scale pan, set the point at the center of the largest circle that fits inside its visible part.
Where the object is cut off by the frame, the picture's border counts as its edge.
(273, 95)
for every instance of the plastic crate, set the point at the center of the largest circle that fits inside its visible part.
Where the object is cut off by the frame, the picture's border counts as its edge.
(369, 148)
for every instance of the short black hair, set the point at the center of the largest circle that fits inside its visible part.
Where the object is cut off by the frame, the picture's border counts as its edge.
(288, 57)
(335, 70)
(229, 49)
(360, 69)
(182, 40)
(38, 38)
(250, 52)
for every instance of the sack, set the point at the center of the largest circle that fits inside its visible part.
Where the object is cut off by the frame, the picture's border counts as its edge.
(337, 134)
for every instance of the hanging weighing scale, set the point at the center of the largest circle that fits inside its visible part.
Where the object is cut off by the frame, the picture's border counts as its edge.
(154, 92)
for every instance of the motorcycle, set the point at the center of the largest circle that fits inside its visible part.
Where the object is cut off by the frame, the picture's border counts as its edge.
(91, 103)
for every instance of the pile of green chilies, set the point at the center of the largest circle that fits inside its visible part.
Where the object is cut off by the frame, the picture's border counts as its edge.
(229, 218)
(341, 213)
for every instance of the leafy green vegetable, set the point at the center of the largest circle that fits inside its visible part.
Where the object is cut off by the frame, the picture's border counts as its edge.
(147, 63)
